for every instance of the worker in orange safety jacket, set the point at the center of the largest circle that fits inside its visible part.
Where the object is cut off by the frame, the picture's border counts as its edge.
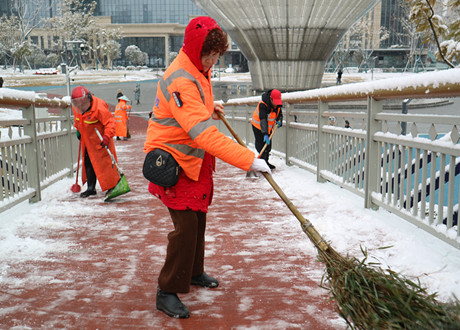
(121, 118)
(182, 124)
(267, 114)
(93, 113)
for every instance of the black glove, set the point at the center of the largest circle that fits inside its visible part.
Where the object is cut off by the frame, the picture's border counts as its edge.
(78, 134)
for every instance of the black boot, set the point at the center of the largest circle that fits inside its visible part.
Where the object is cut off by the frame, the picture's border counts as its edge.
(88, 192)
(171, 305)
(272, 167)
(204, 280)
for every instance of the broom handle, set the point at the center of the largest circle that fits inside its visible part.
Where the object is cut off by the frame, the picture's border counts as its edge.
(306, 225)
(266, 144)
(78, 163)
(110, 154)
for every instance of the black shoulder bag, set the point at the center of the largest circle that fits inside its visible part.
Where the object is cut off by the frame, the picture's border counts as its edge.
(161, 168)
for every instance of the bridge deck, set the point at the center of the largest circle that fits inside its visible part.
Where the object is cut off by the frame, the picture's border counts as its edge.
(106, 279)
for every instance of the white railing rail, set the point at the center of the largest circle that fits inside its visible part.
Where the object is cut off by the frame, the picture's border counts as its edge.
(36, 150)
(416, 176)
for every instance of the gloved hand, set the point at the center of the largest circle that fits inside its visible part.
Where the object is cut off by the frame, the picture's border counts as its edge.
(279, 120)
(105, 141)
(260, 165)
(267, 139)
(78, 135)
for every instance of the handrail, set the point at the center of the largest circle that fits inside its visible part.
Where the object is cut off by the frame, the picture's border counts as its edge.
(17, 98)
(421, 85)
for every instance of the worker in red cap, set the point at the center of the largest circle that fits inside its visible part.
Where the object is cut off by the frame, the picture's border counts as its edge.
(93, 113)
(265, 117)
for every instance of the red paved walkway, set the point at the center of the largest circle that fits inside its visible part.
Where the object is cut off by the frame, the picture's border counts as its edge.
(106, 278)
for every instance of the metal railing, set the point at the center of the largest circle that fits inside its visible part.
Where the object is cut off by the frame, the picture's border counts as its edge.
(415, 176)
(36, 150)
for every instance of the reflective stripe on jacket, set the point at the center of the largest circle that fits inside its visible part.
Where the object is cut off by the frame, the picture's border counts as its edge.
(98, 116)
(187, 131)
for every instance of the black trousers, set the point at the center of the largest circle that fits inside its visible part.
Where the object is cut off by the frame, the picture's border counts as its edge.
(259, 142)
(90, 174)
(185, 251)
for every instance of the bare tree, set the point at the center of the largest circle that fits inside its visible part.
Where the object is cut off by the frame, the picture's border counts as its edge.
(106, 45)
(427, 15)
(76, 28)
(360, 40)
(135, 55)
(15, 30)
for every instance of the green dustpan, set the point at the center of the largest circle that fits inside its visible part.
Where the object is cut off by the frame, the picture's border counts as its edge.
(120, 189)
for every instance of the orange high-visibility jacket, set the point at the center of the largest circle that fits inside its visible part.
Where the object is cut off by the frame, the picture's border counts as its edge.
(121, 118)
(271, 119)
(98, 116)
(187, 131)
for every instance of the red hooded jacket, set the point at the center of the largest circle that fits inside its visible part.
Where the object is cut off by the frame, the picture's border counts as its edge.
(187, 131)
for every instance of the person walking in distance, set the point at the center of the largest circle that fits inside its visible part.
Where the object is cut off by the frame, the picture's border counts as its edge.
(182, 124)
(339, 76)
(93, 113)
(119, 94)
(137, 93)
(121, 118)
(267, 114)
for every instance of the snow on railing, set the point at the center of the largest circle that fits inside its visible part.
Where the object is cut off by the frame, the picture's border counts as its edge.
(36, 148)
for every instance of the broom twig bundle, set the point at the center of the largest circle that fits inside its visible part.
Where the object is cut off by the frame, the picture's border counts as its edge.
(366, 296)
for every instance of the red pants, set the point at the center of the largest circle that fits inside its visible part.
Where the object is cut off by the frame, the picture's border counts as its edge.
(185, 252)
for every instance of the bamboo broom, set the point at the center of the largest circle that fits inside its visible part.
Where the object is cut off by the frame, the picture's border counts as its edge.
(366, 296)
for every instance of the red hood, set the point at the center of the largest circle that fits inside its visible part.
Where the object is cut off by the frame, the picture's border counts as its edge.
(195, 33)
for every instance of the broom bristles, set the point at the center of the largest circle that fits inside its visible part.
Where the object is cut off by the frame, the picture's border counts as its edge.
(369, 297)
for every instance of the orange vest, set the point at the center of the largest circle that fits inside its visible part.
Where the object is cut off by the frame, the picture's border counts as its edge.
(98, 116)
(121, 117)
(187, 131)
(255, 121)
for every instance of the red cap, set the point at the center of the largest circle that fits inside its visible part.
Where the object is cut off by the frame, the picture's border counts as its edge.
(79, 92)
(276, 97)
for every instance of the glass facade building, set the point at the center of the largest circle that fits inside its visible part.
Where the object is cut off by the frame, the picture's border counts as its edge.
(121, 11)
(149, 11)
(394, 15)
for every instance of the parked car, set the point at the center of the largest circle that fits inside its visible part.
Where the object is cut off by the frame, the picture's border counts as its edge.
(46, 71)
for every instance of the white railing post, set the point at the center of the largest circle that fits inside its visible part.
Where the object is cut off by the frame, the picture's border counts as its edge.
(322, 107)
(372, 165)
(33, 170)
(68, 112)
(287, 132)
(248, 125)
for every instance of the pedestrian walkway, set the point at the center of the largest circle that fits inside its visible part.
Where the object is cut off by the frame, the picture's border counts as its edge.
(106, 276)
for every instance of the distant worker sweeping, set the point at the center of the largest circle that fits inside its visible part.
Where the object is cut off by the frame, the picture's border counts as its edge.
(90, 113)
(121, 118)
(265, 117)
